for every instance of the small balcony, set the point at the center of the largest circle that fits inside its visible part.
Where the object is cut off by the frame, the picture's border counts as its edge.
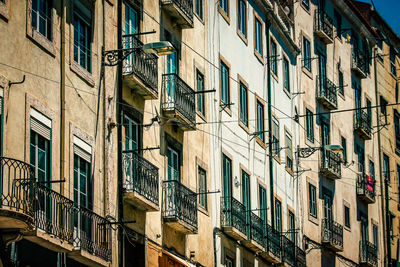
(330, 164)
(289, 252)
(140, 181)
(366, 188)
(368, 254)
(273, 250)
(179, 207)
(233, 218)
(140, 69)
(181, 11)
(256, 240)
(332, 235)
(178, 102)
(362, 124)
(359, 63)
(300, 257)
(323, 26)
(326, 93)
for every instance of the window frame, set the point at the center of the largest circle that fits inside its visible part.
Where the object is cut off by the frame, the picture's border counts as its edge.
(48, 24)
(307, 55)
(305, 4)
(202, 197)
(222, 64)
(200, 97)
(340, 81)
(291, 228)
(286, 74)
(343, 142)
(386, 167)
(243, 84)
(199, 11)
(310, 128)
(312, 201)
(260, 141)
(273, 46)
(346, 224)
(224, 13)
(257, 53)
(242, 35)
(278, 215)
(392, 59)
(289, 152)
(275, 144)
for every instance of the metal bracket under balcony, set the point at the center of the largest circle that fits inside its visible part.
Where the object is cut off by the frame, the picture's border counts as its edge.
(273, 250)
(359, 63)
(368, 254)
(233, 218)
(178, 102)
(256, 233)
(140, 181)
(326, 93)
(332, 235)
(181, 11)
(362, 124)
(140, 69)
(330, 164)
(366, 188)
(323, 26)
(179, 207)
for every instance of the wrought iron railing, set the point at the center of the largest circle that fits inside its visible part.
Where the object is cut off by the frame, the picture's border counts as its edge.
(274, 242)
(332, 233)
(257, 232)
(366, 186)
(178, 96)
(180, 203)
(233, 214)
(300, 257)
(368, 253)
(143, 65)
(323, 23)
(362, 121)
(16, 185)
(186, 6)
(359, 60)
(327, 89)
(140, 176)
(331, 161)
(288, 251)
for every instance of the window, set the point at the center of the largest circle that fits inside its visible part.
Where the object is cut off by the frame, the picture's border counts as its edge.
(289, 152)
(286, 82)
(243, 109)
(386, 167)
(200, 96)
(341, 81)
(225, 83)
(392, 61)
(275, 137)
(375, 236)
(383, 103)
(131, 20)
(312, 200)
(398, 182)
(260, 121)
(246, 195)
(242, 18)
(274, 58)
(42, 18)
(344, 145)
(227, 175)
(307, 54)
(391, 219)
(347, 216)
(173, 164)
(40, 152)
(229, 262)
(379, 44)
(258, 36)
(278, 215)
(397, 129)
(202, 188)
(372, 169)
(131, 133)
(263, 203)
(224, 6)
(82, 20)
(338, 21)
(310, 125)
(306, 3)
(292, 228)
(199, 8)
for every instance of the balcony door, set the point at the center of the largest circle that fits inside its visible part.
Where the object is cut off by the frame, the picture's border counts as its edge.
(360, 159)
(131, 27)
(246, 196)
(328, 214)
(325, 133)
(322, 73)
(172, 68)
(173, 164)
(364, 229)
(131, 146)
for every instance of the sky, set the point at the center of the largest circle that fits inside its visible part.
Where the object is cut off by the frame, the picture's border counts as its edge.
(389, 10)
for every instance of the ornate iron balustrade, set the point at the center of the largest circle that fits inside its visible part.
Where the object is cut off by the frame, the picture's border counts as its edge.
(362, 121)
(360, 61)
(288, 251)
(332, 233)
(53, 213)
(186, 6)
(140, 176)
(274, 242)
(257, 232)
(233, 214)
(368, 253)
(180, 203)
(143, 65)
(327, 89)
(16, 185)
(178, 96)
(331, 162)
(300, 258)
(323, 23)
(366, 188)
(92, 233)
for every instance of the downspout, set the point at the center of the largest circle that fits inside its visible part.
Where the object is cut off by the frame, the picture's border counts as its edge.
(62, 97)
(105, 175)
(271, 175)
(119, 136)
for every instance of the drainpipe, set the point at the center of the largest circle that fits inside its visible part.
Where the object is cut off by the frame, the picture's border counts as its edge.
(62, 97)
(215, 232)
(105, 175)
(271, 175)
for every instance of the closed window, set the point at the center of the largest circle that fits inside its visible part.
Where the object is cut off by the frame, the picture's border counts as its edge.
(263, 203)
(289, 152)
(224, 6)
(82, 21)
(42, 18)
(260, 121)
(200, 96)
(224, 79)
(307, 54)
(386, 167)
(338, 22)
(243, 105)
(40, 153)
(275, 137)
(278, 215)
(398, 182)
(375, 236)
(199, 8)
(312, 200)
(392, 61)
(347, 216)
(291, 226)
(372, 169)
(341, 81)
(383, 104)
(310, 125)
(258, 36)
(173, 164)
(286, 75)
(274, 57)
(242, 17)
(306, 3)
(227, 175)
(397, 128)
(344, 145)
(202, 188)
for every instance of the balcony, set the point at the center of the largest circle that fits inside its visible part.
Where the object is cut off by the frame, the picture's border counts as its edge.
(332, 235)
(300, 258)
(326, 93)
(140, 69)
(366, 188)
(289, 251)
(362, 124)
(368, 254)
(323, 26)
(140, 181)
(233, 218)
(273, 250)
(178, 102)
(256, 240)
(181, 11)
(330, 164)
(359, 63)
(179, 207)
